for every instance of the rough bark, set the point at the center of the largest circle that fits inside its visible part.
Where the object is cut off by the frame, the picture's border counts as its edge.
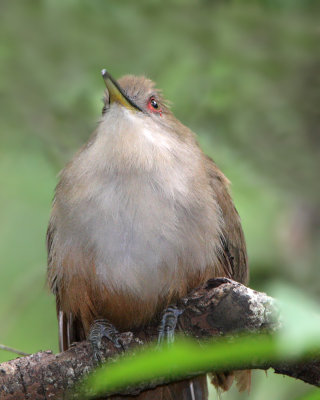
(222, 307)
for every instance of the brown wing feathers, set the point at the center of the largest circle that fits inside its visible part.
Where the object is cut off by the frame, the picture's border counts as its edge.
(234, 258)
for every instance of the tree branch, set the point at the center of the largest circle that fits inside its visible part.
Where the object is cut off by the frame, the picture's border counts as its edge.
(13, 350)
(221, 307)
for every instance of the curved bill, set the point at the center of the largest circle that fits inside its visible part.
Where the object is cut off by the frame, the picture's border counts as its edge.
(116, 94)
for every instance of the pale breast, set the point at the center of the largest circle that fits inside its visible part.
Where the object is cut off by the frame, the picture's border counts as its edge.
(145, 211)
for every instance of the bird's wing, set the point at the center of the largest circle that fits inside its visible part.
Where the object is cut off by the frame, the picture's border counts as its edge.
(70, 328)
(234, 260)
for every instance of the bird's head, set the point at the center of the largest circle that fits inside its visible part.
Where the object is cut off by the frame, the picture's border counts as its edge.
(136, 93)
(137, 127)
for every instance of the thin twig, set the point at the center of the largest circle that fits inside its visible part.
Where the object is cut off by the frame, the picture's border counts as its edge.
(12, 350)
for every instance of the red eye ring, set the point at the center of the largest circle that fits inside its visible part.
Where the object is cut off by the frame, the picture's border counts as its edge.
(154, 106)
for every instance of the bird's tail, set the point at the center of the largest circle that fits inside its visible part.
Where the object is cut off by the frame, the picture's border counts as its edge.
(190, 389)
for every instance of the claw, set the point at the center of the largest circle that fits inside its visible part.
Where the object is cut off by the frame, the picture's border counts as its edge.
(103, 328)
(168, 325)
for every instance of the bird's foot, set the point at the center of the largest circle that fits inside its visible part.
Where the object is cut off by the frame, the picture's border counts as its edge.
(102, 328)
(168, 325)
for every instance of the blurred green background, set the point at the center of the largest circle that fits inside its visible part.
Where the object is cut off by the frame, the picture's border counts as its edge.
(243, 75)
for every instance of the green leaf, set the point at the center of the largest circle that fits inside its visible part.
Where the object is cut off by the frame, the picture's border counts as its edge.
(185, 355)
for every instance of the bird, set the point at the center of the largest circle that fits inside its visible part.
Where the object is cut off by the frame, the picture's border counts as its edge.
(140, 217)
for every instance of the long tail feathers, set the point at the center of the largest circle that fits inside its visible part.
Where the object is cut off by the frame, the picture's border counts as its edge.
(191, 389)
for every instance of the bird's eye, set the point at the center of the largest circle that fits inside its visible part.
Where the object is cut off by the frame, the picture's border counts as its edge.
(153, 105)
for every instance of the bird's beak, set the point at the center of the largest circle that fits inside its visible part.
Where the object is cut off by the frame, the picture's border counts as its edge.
(116, 94)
